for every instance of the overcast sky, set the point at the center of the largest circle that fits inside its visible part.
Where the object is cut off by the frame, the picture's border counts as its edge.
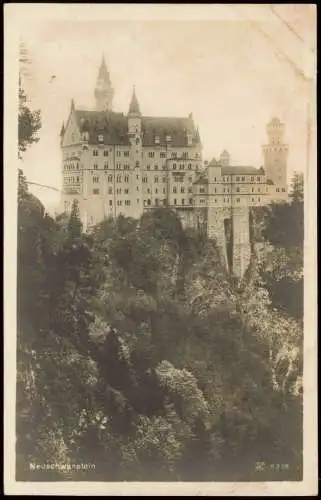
(234, 74)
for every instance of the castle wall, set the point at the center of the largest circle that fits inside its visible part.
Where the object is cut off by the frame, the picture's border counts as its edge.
(241, 240)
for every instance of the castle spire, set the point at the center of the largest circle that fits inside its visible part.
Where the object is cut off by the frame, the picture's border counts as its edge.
(103, 73)
(104, 92)
(134, 106)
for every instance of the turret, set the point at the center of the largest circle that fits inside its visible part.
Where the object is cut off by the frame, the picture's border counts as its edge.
(104, 92)
(225, 158)
(135, 128)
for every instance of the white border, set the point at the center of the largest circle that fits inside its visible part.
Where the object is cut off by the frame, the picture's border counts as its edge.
(16, 15)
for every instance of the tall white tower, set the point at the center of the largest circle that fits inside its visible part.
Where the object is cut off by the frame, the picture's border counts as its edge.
(275, 154)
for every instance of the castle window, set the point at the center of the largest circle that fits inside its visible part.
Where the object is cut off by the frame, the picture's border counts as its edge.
(191, 201)
(164, 179)
(243, 178)
(95, 166)
(259, 199)
(126, 153)
(190, 190)
(118, 178)
(164, 167)
(106, 152)
(147, 167)
(215, 200)
(148, 190)
(277, 190)
(162, 154)
(174, 166)
(127, 202)
(190, 179)
(151, 154)
(237, 190)
(156, 191)
(283, 190)
(95, 191)
(258, 179)
(253, 199)
(156, 167)
(95, 152)
(110, 190)
(189, 166)
(126, 178)
(77, 179)
(144, 179)
(118, 153)
(237, 179)
(137, 164)
(148, 202)
(174, 154)
(119, 203)
(137, 200)
(137, 141)
(252, 179)
(105, 166)
(137, 176)
(118, 166)
(174, 189)
(202, 202)
(202, 190)
(183, 201)
(95, 180)
(181, 166)
(164, 190)
(118, 191)
(101, 138)
(156, 179)
(259, 190)
(185, 154)
(110, 178)
(238, 200)
(110, 203)
(126, 166)
(182, 190)
(175, 201)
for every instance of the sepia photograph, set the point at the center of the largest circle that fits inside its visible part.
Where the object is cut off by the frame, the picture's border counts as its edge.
(160, 262)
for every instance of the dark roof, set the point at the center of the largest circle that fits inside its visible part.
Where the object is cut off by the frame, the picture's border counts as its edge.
(176, 128)
(238, 170)
(114, 127)
(270, 182)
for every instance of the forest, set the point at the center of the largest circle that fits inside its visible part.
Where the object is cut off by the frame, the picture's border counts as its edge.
(139, 353)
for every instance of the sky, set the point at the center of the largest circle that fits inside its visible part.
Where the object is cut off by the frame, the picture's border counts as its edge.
(234, 68)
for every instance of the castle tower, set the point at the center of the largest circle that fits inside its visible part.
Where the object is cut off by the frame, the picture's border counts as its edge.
(134, 118)
(225, 158)
(275, 154)
(104, 92)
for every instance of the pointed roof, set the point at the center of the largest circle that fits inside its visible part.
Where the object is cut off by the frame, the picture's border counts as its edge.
(62, 131)
(103, 73)
(134, 106)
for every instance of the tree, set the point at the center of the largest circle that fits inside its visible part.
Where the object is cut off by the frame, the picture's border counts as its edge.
(29, 122)
(297, 188)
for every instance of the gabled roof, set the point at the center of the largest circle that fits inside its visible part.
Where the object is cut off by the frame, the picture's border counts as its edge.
(162, 127)
(114, 127)
(239, 170)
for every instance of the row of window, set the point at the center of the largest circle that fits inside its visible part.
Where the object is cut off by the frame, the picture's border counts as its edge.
(227, 200)
(151, 154)
(71, 180)
(71, 166)
(278, 190)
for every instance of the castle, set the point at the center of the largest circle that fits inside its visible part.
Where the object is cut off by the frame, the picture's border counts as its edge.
(125, 164)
